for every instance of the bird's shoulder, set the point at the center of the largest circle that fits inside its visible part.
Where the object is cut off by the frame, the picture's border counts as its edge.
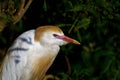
(21, 46)
(24, 41)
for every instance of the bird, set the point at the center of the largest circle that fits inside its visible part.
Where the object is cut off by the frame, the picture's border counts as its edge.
(33, 52)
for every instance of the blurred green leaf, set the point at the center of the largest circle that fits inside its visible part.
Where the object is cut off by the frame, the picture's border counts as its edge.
(95, 23)
(2, 39)
(84, 23)
(45, 5)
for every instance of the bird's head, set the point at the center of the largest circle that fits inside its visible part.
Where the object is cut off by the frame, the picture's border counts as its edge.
(52, 35)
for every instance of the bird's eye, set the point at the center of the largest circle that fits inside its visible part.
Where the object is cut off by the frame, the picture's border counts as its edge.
(56, 36)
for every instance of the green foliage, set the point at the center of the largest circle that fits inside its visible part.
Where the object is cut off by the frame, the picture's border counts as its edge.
(96, 24)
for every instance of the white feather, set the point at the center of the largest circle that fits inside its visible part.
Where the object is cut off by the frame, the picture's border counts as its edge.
(24, 57)
(28, 51)
(11, 70)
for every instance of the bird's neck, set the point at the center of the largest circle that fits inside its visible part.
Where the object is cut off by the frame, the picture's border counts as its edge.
(47, 48)
(53, 48)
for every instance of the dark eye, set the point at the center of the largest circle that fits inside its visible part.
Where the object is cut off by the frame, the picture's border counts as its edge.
(55, 35)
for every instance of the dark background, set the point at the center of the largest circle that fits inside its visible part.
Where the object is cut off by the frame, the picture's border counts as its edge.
(95, 23)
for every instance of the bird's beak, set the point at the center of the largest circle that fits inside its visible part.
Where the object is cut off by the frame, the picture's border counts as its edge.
(70, 40)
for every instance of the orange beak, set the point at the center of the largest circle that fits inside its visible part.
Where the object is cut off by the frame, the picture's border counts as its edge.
(67, 39)
(70, 40)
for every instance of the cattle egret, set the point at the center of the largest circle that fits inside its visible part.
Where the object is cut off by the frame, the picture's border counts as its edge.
(32, 53)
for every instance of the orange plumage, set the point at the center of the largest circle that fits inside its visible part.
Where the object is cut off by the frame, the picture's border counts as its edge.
(32, 53)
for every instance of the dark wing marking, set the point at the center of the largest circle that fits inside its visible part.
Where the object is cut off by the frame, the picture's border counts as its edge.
(16, 58)
(17, 61)
(28, 41)
(18, 49)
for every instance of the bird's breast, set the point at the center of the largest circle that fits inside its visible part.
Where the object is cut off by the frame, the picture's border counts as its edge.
(40, 66)
(39, 61)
